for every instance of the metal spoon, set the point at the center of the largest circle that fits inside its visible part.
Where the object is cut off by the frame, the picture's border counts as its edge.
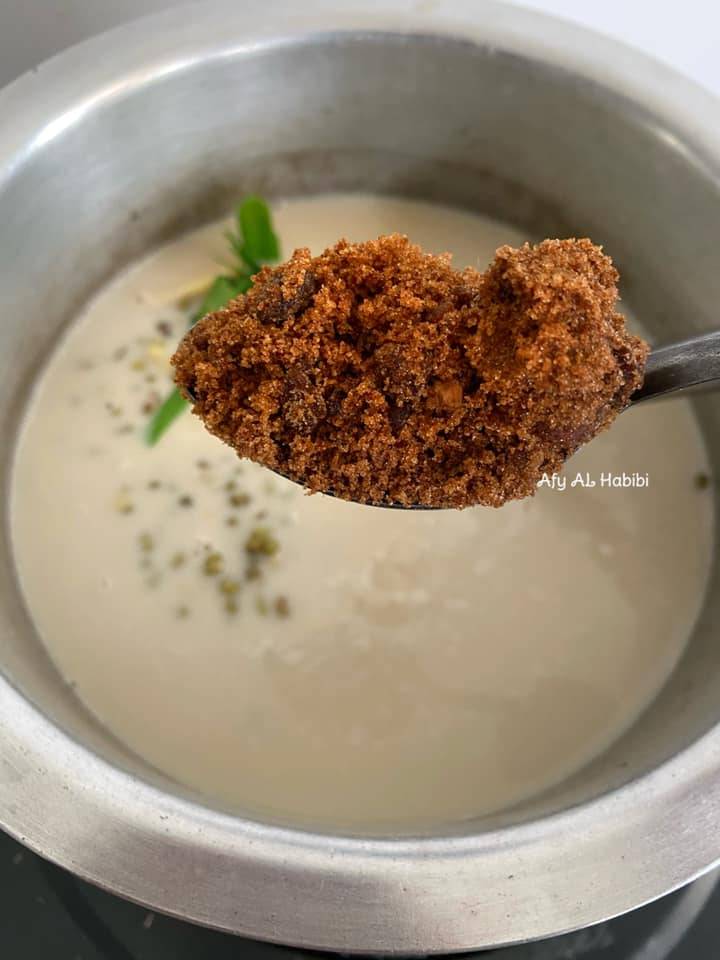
(677, 366)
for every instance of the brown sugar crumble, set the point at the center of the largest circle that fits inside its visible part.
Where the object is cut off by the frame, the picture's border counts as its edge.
(379, 373)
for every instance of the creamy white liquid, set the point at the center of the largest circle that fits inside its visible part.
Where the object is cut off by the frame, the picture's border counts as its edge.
(434, 666)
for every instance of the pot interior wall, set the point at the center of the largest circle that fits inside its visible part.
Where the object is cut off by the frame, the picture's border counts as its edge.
(436, 118)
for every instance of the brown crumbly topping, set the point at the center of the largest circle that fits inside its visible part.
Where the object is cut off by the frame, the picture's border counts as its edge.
(379, 373)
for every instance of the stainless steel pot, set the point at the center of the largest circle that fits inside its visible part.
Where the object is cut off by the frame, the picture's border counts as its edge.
(123, 141)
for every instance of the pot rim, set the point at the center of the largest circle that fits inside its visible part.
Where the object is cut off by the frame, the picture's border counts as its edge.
(406, 896)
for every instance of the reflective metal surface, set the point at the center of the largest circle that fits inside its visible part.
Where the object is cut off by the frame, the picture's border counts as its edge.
(119, 143)
(46, 911)
(678, 366)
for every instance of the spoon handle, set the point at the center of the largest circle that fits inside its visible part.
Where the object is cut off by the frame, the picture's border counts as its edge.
(681, 365)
